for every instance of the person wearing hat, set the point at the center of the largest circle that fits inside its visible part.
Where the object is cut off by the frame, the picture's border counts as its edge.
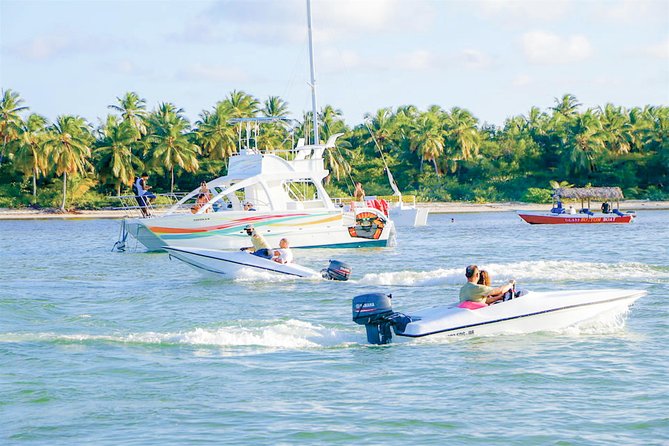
(260, 246)
(474, 292)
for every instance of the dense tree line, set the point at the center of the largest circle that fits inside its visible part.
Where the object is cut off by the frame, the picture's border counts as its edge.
(435, 154)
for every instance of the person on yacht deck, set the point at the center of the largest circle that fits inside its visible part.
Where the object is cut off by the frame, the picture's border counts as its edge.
(359, 192)
(474, 292)
(260, 246)
(284, 253)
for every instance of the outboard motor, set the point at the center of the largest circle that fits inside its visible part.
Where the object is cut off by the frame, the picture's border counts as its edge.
(374, 311)
(336, 270)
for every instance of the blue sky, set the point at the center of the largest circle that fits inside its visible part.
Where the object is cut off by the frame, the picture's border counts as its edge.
(494, 58)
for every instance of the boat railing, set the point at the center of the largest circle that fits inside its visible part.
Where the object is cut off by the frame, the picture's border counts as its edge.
(392, 199)
(148, 208)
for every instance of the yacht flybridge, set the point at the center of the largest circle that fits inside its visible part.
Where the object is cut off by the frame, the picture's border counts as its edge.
(281, 194)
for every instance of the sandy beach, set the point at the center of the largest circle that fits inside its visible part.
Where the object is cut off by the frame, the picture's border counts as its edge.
(435, 208)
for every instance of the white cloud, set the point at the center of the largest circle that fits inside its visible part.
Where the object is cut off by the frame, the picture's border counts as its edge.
(630, 11)
(59, 44)
(43, 47)
(474, 59)
(524, 10)
(542, 47)
(522, 80)
(215, 73)
(276, 22)
(659, 51)
(419, 60)
(416, 60)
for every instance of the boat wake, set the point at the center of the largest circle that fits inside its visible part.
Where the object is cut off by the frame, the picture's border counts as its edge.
(255, 337)
(527, 272)
(258, 335)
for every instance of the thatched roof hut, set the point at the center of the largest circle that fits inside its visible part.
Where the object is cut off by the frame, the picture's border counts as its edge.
(587, 193)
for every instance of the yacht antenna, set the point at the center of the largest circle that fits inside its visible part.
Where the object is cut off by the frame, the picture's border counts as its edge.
(314, 115)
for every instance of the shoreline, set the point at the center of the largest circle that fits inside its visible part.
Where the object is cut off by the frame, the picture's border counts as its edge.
(435, 208)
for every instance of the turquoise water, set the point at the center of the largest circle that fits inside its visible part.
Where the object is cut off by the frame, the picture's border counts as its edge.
(133, 348)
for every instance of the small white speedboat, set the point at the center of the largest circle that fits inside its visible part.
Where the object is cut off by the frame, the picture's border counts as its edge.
(234, 264)
(531, 312)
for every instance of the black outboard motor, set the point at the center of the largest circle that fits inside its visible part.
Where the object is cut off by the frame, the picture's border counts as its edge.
(373, 311)
(336, 270)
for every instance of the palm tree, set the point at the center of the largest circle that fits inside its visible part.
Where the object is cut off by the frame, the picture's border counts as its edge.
(31, 156)
(463, 136)
(113, 156)
(381, 127)
(275, 107)
(10, 121)
(68, 141)
(427, 138)
(617, 129)
(331, 123)
(132, 109)
(216, 136)
(584, 141)
(242, 105)
(170, 145)
(567, 106)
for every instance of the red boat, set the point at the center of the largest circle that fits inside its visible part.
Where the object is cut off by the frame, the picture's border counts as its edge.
(559, 215)
(549, 218)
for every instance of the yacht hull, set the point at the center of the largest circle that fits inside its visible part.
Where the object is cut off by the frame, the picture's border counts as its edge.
(224, 230)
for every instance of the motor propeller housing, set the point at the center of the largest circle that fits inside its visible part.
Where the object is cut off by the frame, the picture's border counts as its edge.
(373, 311)
(336, 270)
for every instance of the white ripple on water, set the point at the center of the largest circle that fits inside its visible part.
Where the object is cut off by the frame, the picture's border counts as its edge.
(281, 334)
(285, 335)
(544, 271)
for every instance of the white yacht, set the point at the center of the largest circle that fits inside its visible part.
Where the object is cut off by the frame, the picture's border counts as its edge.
(281, 194)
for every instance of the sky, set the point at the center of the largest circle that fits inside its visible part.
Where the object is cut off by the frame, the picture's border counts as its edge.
(495, 58)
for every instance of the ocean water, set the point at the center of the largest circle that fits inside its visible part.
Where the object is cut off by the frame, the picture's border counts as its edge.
(106, 348)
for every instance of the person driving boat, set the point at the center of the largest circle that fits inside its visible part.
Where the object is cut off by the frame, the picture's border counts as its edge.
(472, 291)
(260, 246)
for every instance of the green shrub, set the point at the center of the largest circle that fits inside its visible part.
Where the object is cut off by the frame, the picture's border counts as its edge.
(537, 195)
(654, 193)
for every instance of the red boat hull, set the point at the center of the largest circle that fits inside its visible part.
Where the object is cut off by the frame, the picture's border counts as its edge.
(569, 219)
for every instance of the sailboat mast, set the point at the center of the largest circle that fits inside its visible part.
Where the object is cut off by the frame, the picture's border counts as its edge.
(314, 114)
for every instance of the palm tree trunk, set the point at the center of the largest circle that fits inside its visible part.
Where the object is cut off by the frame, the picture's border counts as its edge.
(118, 189)
(172, 182)
(436, 168)
(62, 206)
(34, 185)
(2, 153)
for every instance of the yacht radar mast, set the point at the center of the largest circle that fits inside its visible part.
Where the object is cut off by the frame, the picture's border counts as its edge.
(314, 108)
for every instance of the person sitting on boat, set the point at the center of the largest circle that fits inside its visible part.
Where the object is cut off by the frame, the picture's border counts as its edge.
(572, 210)
(248, 206)
(474, 292)
(260, 246)
(606, 207)
(484, 279)
(283, 254)
(359, 193)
